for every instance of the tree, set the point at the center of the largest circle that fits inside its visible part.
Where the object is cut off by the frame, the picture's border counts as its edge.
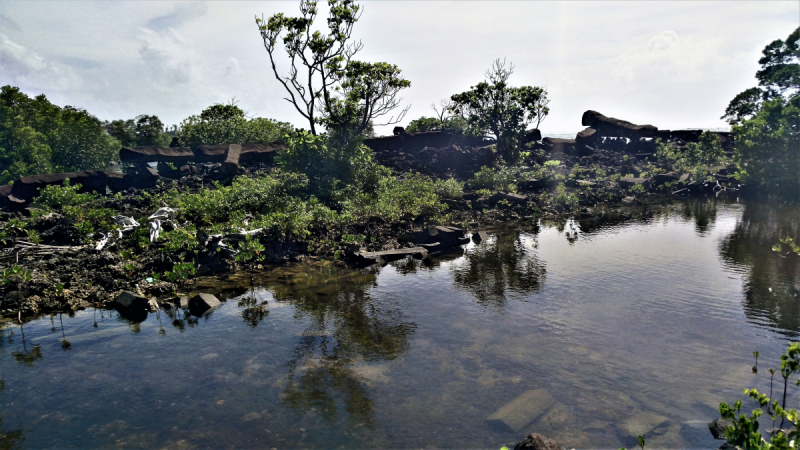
(493, 108)
(325, 84)
(766, 121)
(228, 124)
(144, 130)
(38, 137)
(443, 121)
(779, 76)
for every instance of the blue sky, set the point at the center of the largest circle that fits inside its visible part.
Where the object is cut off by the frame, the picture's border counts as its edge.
(671, 64)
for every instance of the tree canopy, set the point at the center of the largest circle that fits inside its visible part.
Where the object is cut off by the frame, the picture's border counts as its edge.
(228, 124)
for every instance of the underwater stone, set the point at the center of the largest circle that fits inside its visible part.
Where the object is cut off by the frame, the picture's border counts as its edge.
(536, 441)
(479, 237)
(201, 304)
(521, 411)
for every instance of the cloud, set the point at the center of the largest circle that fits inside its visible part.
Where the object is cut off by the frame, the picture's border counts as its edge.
(181, 14)
(9, 24)
(171, 58)
(22, 65)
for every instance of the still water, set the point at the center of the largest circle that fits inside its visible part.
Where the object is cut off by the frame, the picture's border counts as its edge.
(638, 323)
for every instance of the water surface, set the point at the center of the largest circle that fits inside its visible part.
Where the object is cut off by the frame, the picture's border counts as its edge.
(642, 322)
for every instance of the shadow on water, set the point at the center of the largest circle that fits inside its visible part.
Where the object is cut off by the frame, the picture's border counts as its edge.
(772, 282)
(506, 266)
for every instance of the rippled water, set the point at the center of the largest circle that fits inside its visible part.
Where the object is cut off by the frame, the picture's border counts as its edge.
(635, 324)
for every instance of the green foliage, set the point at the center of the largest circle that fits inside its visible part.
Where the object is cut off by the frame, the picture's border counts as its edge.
(15, 275)
(181, 272)
(250, 249)
(58, 197)
(326, 85)
(707, 152)
(320, 160)
(779, 77)
(141, 131)
(494, 108)
(394, 200)
(567, 199)
(791, 247)
(766, 147)
(37, 136)
(496, 179)
(434, 124)
(227, 124)
(449, 188)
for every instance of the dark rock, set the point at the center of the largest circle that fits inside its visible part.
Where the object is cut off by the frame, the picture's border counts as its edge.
(143, 179)
(686, 135)
(231, 163)
(201, 304)
(471, 196)
(155, 154)
(559, 145)
(627, 182)
(397, 131)
(586, 137)
(509, 197)
(446, 236)
(718, 427)
(479, 237)
(662, 178)
(175, 143)
(533, 135)
(260, 153)
(363, 259)
(537, 442)
(417, 141)
(609, 126)
(532, 185)
(210, 153)
(26, 188)
(132, 305)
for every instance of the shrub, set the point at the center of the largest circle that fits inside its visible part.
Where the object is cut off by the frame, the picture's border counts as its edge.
(321, 160)
(496, 179)
(61, 196)
(227, 124)
(449, 188)
(434, 124)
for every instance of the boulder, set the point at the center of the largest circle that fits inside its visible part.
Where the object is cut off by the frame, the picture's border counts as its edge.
(686, 135)
(627, 182)
(417, 141)
(132, 305)
(231, 163)
(446, 236)
(586, 137)
(662, 178)
(397, 131)
(533, 135)
(532, 185)
(156, 154)
(559, 145)
(479, 237)
(363, 259)
(141, 179)
(609, 126)
(26, 188)
(509, 197)
(718, 427)
(260, 153)
(210, 153)
(521, 411)
(537, 442)
(202, 304)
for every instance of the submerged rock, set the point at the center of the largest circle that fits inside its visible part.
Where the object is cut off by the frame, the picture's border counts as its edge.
(718, 427)
(202, 304)
(536, 441)
(363, 259)
(521, 411)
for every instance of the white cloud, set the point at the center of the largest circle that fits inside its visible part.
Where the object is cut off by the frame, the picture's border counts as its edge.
(171, 58)
(21, 65)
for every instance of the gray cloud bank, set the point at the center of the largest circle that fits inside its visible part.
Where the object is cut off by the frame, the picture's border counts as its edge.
(672, 64)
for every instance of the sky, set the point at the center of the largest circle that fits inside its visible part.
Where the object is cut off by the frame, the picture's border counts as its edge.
(670, 64)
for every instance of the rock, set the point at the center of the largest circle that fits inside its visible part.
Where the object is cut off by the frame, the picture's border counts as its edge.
(586, 137)
(152, 304)
(201, 304)
(479, 237)
(627, 182)
(397, 131)
(537, 442)
(231, 163)
(718, 427)
(521, 411)
(210, 153)
(363, 259)
(415, 142)
(155, 154)
(532, 185)
(132, 305)
(686, 135)
(642, 423)
(143, 179)
(662, 178)
(533, 135)
(684, 177)
(260, 153)
(509, 197)
(446, 236)
(26, 188)
(559, 145)
(609, 126)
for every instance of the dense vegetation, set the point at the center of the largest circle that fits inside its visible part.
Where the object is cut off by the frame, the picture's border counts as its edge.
(37, 136)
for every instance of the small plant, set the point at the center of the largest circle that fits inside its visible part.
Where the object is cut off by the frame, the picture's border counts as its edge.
(787, 246)
(495, 179)
(450, 188)
(181, 272)
(17, 275)
(33, 236)
(637, 189)
(250, 249)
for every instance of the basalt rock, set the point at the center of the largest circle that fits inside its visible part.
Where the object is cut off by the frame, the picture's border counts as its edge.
(627, 182)
(364, 259)
(556, 145)
(533, 135)
(609, 126)
(155, 154)
(132, 305)
(417, 141)
(536, 441)
(202, 304)
(445, 236)
(586, 137)
(231, 162)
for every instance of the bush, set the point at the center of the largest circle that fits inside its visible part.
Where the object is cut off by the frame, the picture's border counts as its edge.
(457, 124)
(141, 131)
(500, 179)
(323, 161)
(707, 152)
(450, 188)
(61, 196)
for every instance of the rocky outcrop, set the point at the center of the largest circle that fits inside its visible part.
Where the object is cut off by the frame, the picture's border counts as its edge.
(364, 259)
(417, 141)
(445, 236)
(155, 154)
(202, 304)
(132, 305)
(627, 182)
(609, 126)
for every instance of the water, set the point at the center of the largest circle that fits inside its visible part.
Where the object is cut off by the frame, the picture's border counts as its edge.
(640, 324)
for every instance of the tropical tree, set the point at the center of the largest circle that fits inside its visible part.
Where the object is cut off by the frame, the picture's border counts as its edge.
(228, 124)
(144, 130)
(324, 83)
(494, 109)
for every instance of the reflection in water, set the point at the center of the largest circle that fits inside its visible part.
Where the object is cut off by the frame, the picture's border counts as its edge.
(13, 438)
(346, 326)
(772, 286)
(702, 211)
(253, 311)
(504, 267)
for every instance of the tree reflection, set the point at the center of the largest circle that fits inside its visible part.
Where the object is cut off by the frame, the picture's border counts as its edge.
(13, 438)
(502, 268)
(772, 282)
(346, 326)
